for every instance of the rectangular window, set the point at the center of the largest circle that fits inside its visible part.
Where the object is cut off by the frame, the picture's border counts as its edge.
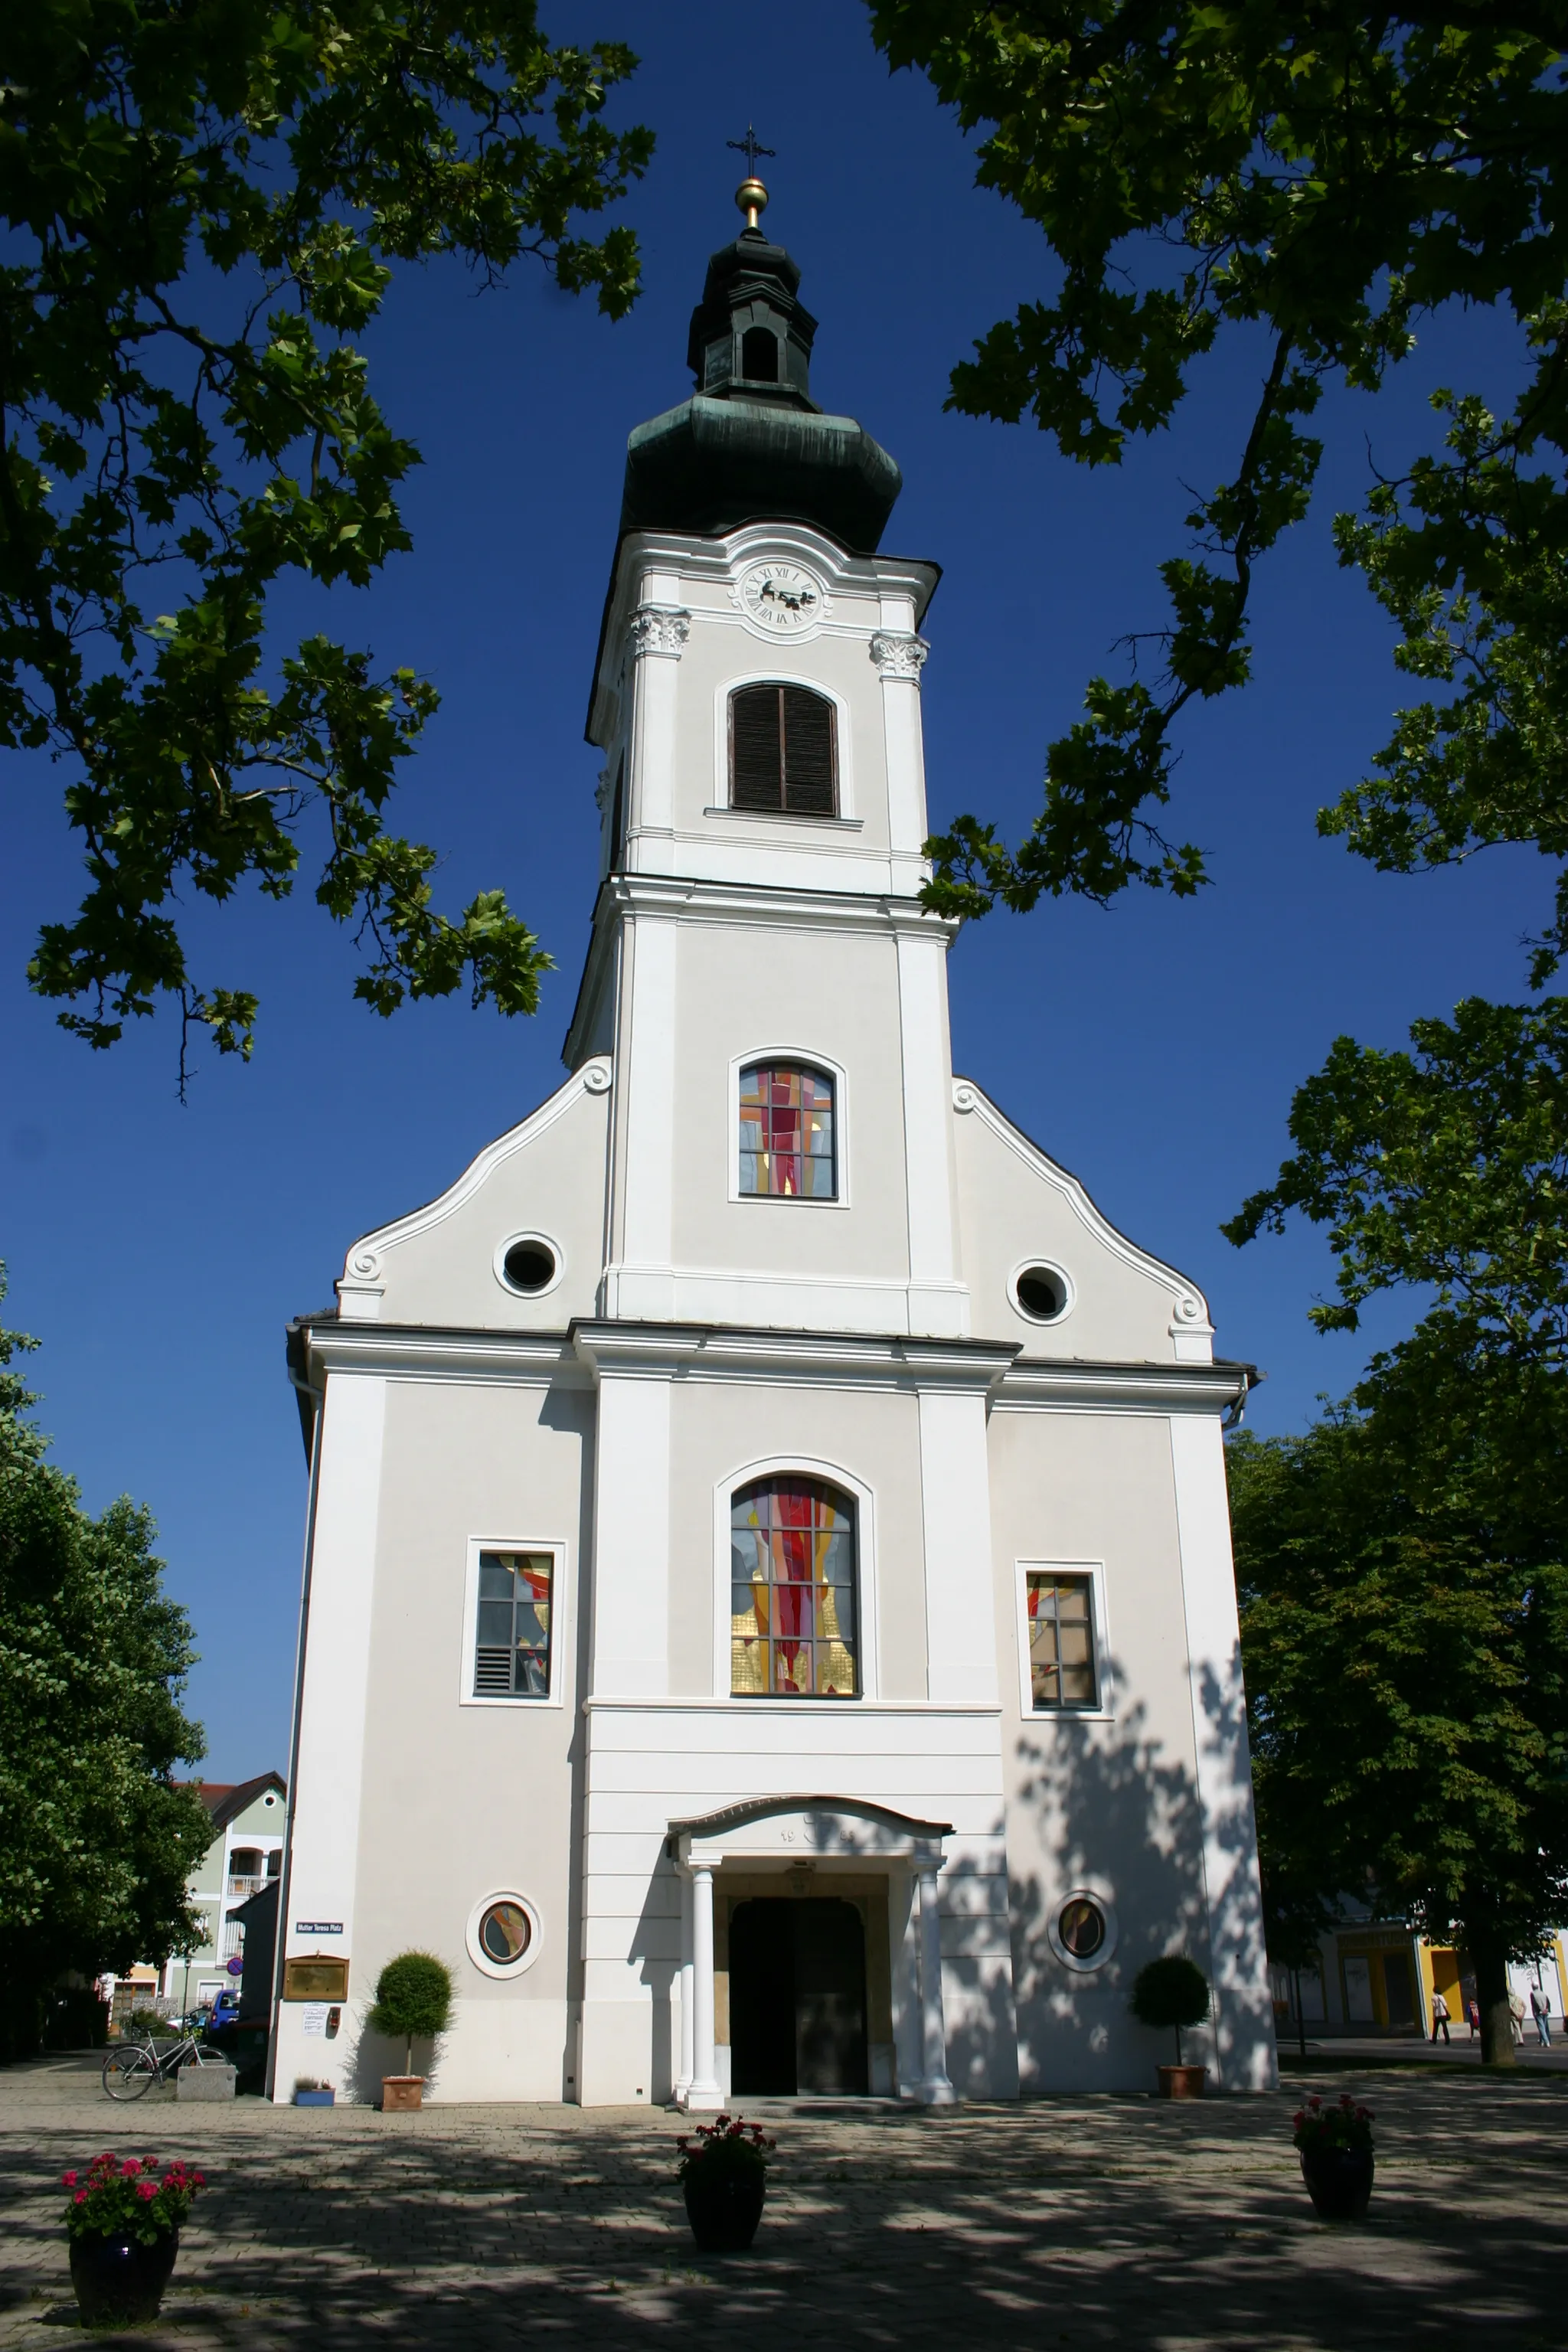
(512, 1634)
(1063, 1671)
(786, 1133)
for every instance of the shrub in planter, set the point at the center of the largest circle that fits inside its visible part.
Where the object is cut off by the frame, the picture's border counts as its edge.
(1173, 1993)
(308, 2093)
(723, 2171)
(1337, 2164)
(123, 2221)
(413, 2003)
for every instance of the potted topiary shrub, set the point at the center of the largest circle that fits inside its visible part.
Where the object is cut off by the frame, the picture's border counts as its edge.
(1336, 2157)
(413, 2003)
(723, 2172)
(123, 2222)
(1174, 1992)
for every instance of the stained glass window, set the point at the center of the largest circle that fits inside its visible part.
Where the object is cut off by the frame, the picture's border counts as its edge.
(792, 1591)
(786, 1133)
(512, 1647)
(1062, 1670)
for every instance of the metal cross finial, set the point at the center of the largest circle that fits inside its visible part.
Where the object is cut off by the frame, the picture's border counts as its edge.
(751, 147)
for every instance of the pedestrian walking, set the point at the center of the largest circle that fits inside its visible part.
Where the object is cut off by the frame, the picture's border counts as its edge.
(1439, 2015)
(1540, 2009)
(1473, 2012)
(1516, 2015)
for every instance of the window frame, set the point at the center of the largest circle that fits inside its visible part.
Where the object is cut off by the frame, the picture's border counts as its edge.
(560, 1630)
(1104, 1709)
(505, 1972)
(867, 1649)
(798, 1057)
(842, 777)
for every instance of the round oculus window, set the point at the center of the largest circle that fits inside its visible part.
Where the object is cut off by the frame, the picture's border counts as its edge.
(1042, 1293)
(529, 1266)
(505, 1934)
(1081, 1926)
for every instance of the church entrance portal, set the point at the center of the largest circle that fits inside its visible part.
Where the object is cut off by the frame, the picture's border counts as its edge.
(798, 1997)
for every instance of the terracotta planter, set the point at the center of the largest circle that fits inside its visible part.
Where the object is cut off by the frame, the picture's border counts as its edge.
(1338, 2180)
(120, 2282)
(724, 2205)
(1182, 2082)
(399, 2093)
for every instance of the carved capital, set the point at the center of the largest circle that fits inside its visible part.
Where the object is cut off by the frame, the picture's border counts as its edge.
(659, 629)
(899, 656)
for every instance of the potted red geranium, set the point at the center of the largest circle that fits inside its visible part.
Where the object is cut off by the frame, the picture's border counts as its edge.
(723, 2171)
(1336, 2157)
(123, 2221)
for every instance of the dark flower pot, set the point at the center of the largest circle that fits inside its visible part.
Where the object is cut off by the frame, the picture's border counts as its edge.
(724, 2205)
(1338, 2180)
(120, 2282)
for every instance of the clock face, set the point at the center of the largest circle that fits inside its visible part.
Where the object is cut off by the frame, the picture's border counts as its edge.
(782, 597)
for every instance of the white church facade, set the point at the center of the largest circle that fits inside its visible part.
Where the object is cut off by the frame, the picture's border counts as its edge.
(769, 1618)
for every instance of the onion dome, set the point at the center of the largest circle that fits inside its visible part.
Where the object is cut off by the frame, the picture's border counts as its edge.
(752, 445)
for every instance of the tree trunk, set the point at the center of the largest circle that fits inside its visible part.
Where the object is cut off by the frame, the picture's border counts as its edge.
(1492, 1996)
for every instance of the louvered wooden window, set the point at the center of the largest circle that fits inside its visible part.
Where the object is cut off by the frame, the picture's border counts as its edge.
(783, 751)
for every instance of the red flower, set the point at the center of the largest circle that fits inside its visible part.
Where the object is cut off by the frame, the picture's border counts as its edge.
(80, 2197)
(146, 2189)
(68, 2179)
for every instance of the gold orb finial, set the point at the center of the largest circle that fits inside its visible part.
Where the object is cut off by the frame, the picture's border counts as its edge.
(753, 199)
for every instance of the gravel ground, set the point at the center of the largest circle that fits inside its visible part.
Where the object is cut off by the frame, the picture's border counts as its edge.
(1066, 2222)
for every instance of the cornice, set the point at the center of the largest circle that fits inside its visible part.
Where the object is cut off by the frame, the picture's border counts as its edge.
(420, 1352)
(1032, 1386)
(718, 1352)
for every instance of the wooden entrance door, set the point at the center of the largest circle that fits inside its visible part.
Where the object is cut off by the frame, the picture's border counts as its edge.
(798, 1997)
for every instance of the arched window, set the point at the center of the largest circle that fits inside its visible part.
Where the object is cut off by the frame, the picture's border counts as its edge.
(782, 751)
(760, 355)
(786, 1133)
(792, 1591)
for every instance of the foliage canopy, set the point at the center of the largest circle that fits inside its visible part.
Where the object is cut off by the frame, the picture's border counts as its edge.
(97, 1839)
(205, 201)
(1316, 179)
(1404, 1635)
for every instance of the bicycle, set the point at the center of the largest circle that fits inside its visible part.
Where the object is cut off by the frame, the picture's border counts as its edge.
(131, 2068)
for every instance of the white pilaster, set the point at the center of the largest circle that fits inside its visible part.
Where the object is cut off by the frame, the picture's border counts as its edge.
(646, 1056)
(955, 1508)
(1243, 2041)
(334, 1684)
(899, 657)
(658, 634)
(928, 1098)
(703, 2094)
(934, 2089)
(631, 1552)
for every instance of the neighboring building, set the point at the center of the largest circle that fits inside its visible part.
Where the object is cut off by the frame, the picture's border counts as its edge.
(246, 1851)
(770, 1621)
(1378, 1975)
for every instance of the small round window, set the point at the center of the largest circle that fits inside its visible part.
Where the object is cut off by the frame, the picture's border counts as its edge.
(529, 1266)
(505, 1934)
(1042, 1293)
(1081, 1927)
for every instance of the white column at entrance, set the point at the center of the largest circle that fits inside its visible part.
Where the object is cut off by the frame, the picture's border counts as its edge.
(702, 2094)
(688, 1973)
(934, 2089)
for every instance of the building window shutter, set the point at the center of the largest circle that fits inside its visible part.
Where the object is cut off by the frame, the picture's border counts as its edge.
(783, 751)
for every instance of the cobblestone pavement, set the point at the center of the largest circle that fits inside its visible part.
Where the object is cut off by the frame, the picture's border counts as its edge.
(1080, 2221)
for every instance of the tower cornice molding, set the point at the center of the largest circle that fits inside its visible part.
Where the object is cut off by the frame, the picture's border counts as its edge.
(744, 905)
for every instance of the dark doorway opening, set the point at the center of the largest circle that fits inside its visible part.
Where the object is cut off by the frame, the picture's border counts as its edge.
(798, 1997)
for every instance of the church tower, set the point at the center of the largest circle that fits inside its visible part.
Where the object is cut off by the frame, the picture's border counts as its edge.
(769, 1613)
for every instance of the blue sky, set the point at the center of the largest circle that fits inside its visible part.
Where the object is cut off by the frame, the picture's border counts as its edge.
(158, 1250)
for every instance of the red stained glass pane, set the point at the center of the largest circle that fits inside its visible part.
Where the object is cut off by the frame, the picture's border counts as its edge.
(792, 1581)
